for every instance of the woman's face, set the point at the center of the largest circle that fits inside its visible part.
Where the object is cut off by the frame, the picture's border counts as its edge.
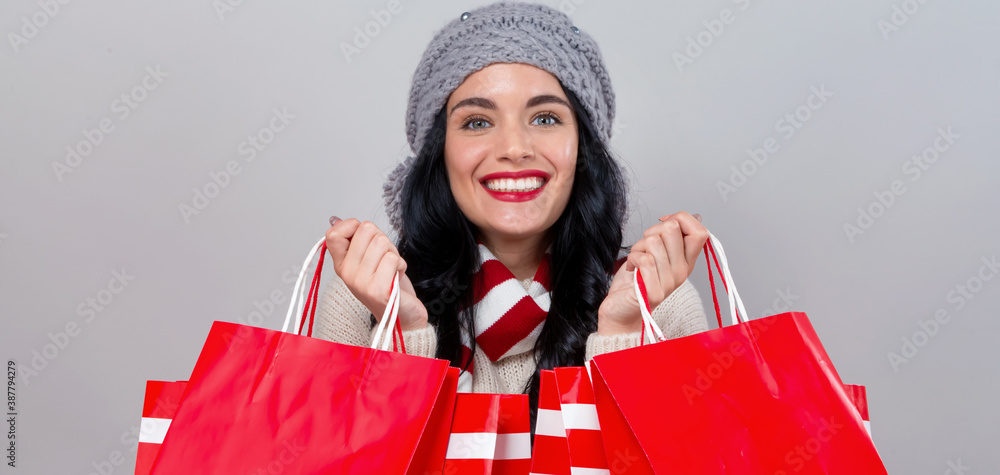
(510, 150)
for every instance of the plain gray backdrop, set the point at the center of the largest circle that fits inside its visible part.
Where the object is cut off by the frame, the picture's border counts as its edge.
(910, 95)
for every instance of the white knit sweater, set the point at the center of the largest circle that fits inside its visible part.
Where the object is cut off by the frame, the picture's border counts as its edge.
(340, 317)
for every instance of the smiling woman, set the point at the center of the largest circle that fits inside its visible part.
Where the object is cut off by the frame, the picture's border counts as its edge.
(510, 214)
(510, 153)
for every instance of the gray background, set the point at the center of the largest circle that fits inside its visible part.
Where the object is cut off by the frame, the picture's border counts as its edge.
(679, 131)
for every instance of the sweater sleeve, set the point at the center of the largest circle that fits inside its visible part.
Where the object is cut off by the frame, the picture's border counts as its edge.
(680, 314)
(342, 318)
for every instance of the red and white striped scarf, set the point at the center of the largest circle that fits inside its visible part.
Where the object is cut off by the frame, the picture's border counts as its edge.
(508, 318)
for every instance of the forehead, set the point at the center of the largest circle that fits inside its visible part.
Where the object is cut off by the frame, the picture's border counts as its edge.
(508, 79)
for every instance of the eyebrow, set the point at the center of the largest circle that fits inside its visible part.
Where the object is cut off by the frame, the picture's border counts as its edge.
(489, 104)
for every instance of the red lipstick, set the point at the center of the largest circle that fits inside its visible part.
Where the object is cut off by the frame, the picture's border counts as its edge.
(515, 196)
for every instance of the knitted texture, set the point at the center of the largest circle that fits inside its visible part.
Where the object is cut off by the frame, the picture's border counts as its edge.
(509, 317)
(340, 317)
(501, 33)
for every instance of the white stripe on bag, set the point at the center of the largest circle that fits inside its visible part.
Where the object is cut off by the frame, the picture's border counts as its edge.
(589, 471)
(580, 416)
(513, 446)
(152, 430)
(471, 446)
(549, 423)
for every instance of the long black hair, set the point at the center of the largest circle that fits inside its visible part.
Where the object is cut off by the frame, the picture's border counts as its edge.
(439, 245)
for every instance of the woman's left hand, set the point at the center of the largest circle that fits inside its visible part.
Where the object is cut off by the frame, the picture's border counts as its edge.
(665, 255)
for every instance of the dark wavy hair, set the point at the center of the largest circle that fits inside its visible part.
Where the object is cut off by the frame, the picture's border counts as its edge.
(439, 245)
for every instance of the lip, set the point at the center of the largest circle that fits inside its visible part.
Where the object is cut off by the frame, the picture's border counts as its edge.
(517, 174)
(515, 196)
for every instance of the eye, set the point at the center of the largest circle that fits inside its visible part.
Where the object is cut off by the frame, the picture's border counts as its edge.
(475, 123)
(546, 120)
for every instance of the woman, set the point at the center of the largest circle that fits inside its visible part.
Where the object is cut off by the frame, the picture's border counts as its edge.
(510, 215)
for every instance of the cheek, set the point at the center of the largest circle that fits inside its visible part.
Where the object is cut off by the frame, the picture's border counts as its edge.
(564, 160)
(460, 165)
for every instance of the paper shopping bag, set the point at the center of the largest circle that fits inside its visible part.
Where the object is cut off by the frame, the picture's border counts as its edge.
(278, 401)
(579, 413)
(490, 435)
(550, 455)
(261, 400)
(756, 397)
(158, 408)
(513, 452)
(567, 431)
(859, 397)
(429, 456)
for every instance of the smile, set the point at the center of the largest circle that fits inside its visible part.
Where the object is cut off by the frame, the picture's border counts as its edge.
(522, 185)
(515, 185)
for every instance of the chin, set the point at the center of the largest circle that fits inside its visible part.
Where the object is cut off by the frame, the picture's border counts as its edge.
(519, 228)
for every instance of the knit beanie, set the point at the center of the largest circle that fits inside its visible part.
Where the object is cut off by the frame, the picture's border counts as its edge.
(501, 33)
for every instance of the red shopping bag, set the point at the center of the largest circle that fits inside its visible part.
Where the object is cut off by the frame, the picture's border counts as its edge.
(158, 408)
(859, 396)
(260, 401)
(567, 431)
(513, 452)
(490, 435)
(579, 414)
(550, 455)
(757, 397)
(429, 456)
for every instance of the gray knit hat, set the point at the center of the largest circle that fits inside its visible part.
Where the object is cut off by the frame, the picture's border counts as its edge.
(501, 33)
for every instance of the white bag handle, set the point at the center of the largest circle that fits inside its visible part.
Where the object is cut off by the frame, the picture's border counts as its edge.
(388, 321)
(735, 302)
(297, 304)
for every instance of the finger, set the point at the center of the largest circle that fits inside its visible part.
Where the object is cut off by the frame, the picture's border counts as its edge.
(377, 248)
(646, 264)
(379, 287)
(656, 247)
(673, 241)
(695, 235)
(333, 220)
(359, 244)
(338, 239)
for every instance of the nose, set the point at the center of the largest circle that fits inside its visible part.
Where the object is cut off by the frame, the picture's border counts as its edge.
(514, 144)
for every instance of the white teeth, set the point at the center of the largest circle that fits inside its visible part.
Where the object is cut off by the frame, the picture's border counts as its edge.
(515, 185)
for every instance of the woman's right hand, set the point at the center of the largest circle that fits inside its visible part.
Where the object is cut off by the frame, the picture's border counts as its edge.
(366, 260)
